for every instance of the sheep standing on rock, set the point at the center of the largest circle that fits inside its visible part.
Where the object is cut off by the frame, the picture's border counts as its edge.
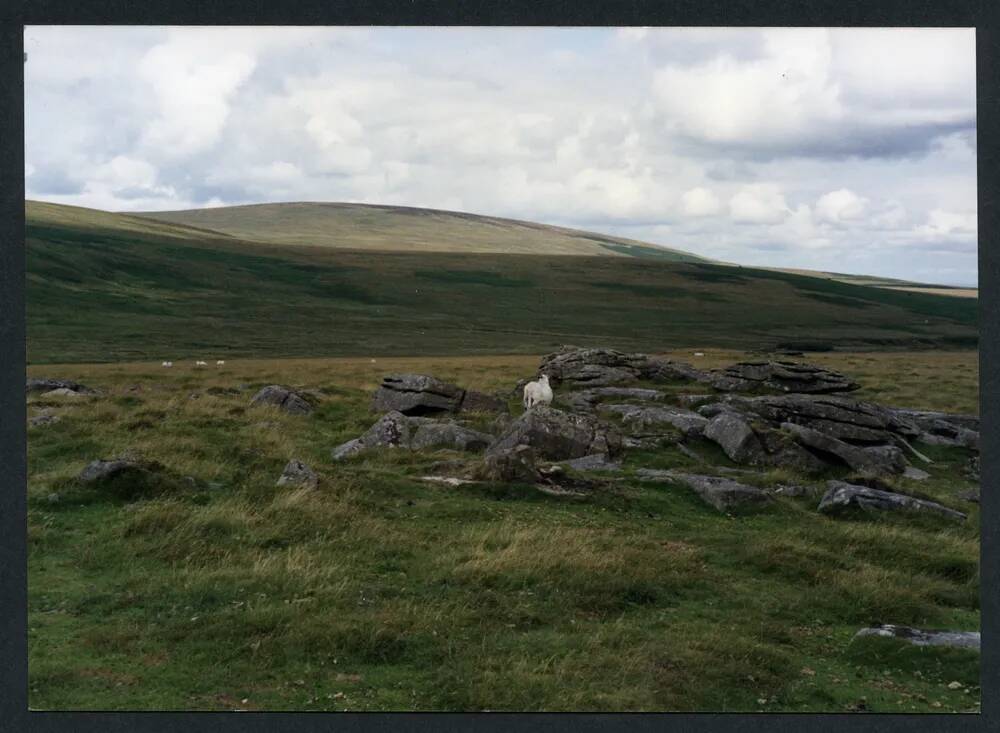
(538, 393)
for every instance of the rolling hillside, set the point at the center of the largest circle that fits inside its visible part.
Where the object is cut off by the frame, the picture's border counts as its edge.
(105, 287)
(407, 229)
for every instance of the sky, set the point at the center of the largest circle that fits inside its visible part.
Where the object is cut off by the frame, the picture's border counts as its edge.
(847, 150)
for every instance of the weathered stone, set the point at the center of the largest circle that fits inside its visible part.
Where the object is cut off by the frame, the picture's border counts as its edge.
(917, 637)
(797, 490)
(416, 394)
(297, 473)
(785, 376)
(735, 436)
(596, 462)
(49, 385)
(873, 460)
(473, 401)
(348, 449)
(648, 421)
(585, 400)
(43, 418)
(722, 493)
(940, 428)
(103, 470)
(511, 465)
(841, 496)
(432, 434)
(915, 474)
(970, 495)
(283, 398)
(558, 435)
(598, 367)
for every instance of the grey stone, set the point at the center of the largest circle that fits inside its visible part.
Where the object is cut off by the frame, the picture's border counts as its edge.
(785, 376)
(722, 493)
(970, 495)
(645, 421)
(874, 460)
(841, 496)
(597, 367)
(735, 436)
(283, 398)
(917, 637)
(49, 385)
(596, 462)
(915, 474)
(297, 473)
(558, 435)
(473, 401)
(44, 418)
(511, 465)
(416, 394)
(348, 449)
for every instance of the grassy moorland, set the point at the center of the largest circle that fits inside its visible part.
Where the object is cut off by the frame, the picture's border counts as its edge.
(377, 591)
(105, 289)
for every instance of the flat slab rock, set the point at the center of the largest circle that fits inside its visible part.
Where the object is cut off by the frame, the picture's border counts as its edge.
(722, 493)
(748, 443)
(786, 376)
(841, 496)
(396, 430)
(558, 435)
(601, 367)
(49, 385)
(422, 394)
(917, 637)
(596, 462)
(283, 398)
(644, 420)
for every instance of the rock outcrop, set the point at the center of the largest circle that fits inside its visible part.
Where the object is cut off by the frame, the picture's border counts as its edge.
(600, 367)
(558, 435)
(783, 376)
(284, 398)
(721, 493)
(842, 496)
(50, 385)
(396, 430)
(917, 637)
(422, 395)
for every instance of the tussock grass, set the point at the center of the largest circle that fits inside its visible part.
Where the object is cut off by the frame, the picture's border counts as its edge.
(377, 591)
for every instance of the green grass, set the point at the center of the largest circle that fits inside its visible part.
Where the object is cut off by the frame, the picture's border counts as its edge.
(104, 290)
(381, 592)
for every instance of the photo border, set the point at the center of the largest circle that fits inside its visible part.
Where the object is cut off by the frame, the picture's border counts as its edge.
(13, 458)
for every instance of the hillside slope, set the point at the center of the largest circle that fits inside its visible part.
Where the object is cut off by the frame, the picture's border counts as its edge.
(118, 294)
(407, 229)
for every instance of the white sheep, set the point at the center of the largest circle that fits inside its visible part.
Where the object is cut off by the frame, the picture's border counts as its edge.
(168, 363)
(200, 363)
(538, 393)
(220, 362)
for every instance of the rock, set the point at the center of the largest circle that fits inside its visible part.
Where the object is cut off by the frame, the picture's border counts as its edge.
(510, 465)
(558, 435)
(969, 495)
(297, 473)
(585, 400)
(873, 460)
(645, 421)
(65, 392)
(473, 401)
(128, 476)
(939, 428)
(785, 376)
(396, 430)
(50, 385)
(599, 367)
(956, 639)
(43, 418)
(416, 394)
(915, 474)
(972, 468)
(448, 480)
(348, 449)
(284, 398)
(797, 490)
(692, 400)
(735, 436)
(722, 493)
(840, 417)
(596, 462)
(841, 496)
(102, 470)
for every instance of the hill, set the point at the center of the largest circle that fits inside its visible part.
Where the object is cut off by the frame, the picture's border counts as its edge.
(107, 287)
(407, 229)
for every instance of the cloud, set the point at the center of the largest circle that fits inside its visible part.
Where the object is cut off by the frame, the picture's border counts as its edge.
(826, 148)
(840, 206)
(758, 203)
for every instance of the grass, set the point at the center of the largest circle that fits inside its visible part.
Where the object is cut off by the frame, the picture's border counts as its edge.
(378, 591)
(106, 292)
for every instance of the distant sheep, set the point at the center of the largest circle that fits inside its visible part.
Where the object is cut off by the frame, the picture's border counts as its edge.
(699, 353)
(200, 363)
(168, 363)
(538, 393)
(220, 362)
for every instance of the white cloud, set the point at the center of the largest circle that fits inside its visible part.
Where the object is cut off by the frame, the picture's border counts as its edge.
(758, 203)
(700, 202)
(840, 206)
(801, 147)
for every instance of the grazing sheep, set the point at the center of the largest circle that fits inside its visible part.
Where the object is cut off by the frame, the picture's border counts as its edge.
(538, 393)
(699, 353)
(168, 363)
(200, 363)
(220, 362)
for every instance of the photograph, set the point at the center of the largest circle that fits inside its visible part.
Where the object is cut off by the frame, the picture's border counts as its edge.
(465, 369)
